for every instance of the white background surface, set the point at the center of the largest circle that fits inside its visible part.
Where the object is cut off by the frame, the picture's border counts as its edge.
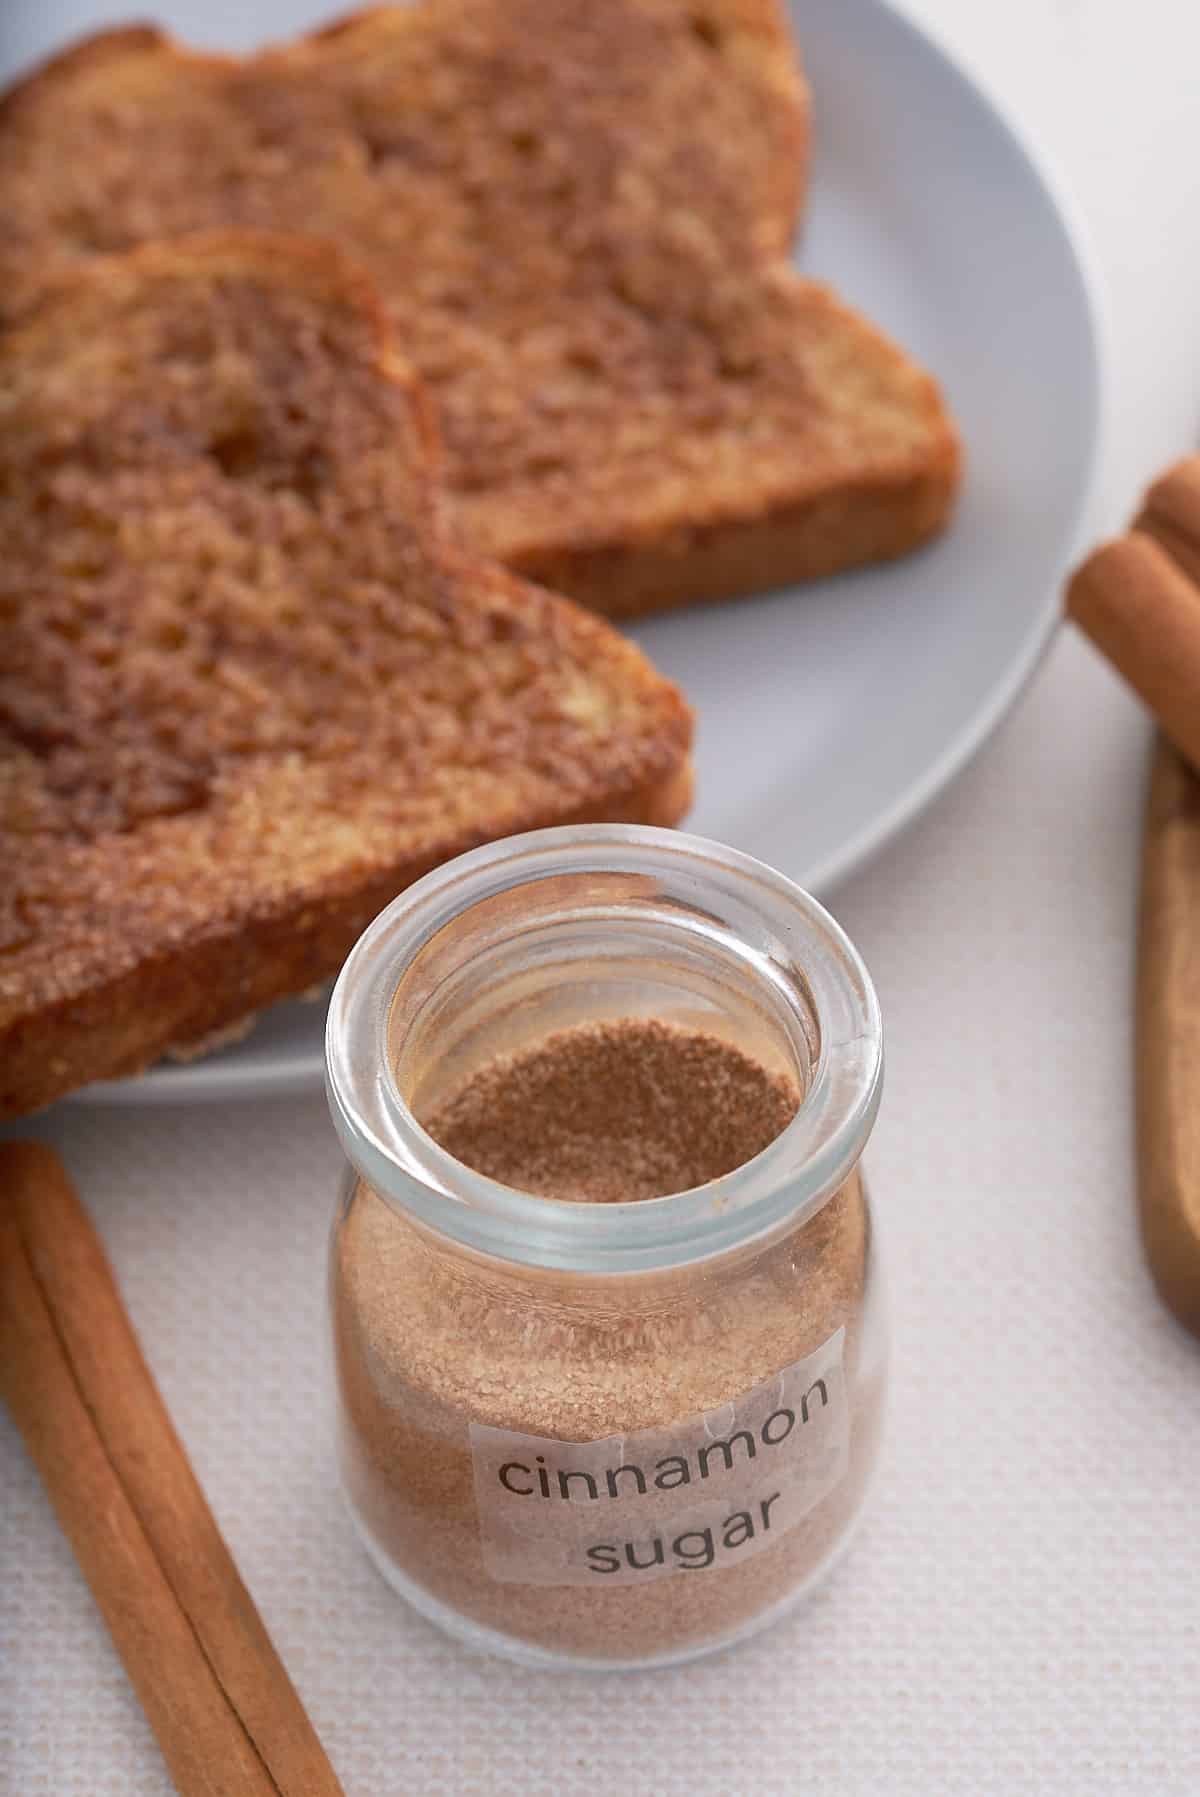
(1022, 1612)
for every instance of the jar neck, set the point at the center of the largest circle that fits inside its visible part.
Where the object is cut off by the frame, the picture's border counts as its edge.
(579, 1295)
(575, 925)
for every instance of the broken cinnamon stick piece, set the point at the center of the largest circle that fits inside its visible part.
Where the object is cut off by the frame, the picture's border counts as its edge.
(1143, 612)
(226, 1715)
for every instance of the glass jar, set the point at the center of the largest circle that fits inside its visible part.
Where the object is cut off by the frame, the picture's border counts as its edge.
(605, 1435)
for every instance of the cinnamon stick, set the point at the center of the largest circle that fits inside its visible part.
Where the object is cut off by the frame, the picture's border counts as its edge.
(1168, 1036)
(226, 1715)
(1171, 514)
(1142, 611)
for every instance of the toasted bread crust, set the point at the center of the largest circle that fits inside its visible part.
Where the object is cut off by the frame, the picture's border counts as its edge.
(190, 990)
(629, 396)
(878, 519)
(251, 695)
(80, 58)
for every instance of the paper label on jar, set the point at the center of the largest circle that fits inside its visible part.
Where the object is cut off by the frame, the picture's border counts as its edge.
(697, 1495)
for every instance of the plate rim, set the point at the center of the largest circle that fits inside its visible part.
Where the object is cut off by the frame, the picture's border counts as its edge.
(1044, 169)
(217, 1080)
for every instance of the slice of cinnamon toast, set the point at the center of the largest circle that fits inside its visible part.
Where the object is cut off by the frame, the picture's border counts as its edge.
(578, 216)
(249, 687)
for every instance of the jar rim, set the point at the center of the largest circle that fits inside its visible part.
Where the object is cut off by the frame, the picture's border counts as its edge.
(788, 1180)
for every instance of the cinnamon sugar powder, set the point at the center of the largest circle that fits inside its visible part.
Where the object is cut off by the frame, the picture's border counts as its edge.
(608, 1469)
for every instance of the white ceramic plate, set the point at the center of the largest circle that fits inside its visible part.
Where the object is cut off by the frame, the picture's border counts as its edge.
(830, 716)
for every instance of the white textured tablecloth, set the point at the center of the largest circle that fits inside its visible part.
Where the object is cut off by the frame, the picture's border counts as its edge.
(1022, 1611)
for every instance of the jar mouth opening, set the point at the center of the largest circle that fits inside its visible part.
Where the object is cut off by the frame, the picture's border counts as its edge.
(786, 939)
